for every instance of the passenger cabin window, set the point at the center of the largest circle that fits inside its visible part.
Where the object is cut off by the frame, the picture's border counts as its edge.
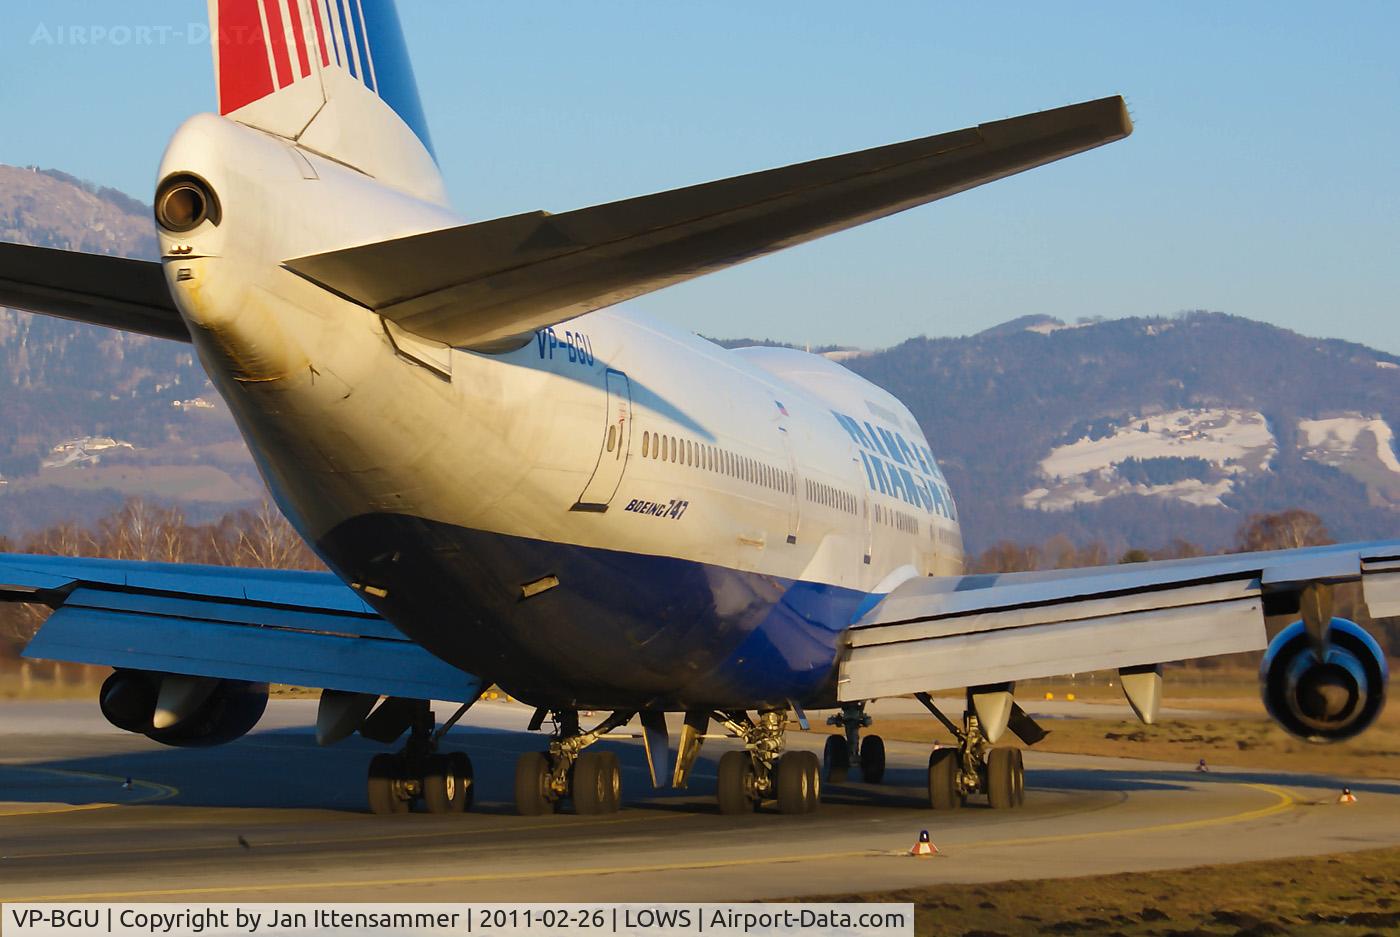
(612, 437)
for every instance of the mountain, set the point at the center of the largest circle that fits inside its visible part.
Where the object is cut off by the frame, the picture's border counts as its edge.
(89, 416)
(1132, 432)
(1137, 431)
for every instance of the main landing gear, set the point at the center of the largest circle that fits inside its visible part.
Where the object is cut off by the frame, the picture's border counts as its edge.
(592, 780)
(869, 752)
(762, 771)
(973, 767)
(444, 783)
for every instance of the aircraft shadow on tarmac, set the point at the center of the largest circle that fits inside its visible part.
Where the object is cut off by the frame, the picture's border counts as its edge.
(285, 769)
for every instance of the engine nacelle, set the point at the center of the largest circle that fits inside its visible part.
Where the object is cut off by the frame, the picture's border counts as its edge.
(1330, 699)
(129, 700)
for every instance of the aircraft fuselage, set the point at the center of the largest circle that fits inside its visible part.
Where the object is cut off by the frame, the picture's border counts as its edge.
(613, 514)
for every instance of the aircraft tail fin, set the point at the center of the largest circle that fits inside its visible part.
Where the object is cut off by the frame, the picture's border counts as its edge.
(333, 76)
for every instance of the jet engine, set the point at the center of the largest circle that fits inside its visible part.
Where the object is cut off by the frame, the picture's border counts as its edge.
(180, 710)
(1328, 690)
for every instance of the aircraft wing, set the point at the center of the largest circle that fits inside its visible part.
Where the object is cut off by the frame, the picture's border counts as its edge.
(485, 284)
(978, 630)
(131, 295)
(263, 625)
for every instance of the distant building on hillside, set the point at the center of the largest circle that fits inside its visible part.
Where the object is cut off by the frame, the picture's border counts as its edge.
(83, 450)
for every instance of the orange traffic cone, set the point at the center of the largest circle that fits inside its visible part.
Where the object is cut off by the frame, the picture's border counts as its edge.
(924, 847)
(1347, 796)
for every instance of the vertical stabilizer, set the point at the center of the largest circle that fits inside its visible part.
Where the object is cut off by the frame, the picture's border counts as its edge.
(332, 75)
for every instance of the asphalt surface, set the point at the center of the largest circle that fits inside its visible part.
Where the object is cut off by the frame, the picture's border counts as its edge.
(273, 817)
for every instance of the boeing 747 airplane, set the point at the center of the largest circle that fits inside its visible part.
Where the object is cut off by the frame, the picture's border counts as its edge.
(516, 481)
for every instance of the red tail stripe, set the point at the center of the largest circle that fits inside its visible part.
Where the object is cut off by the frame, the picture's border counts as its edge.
(294, 8)
(244, 76)
(320, 32)
(278, 38)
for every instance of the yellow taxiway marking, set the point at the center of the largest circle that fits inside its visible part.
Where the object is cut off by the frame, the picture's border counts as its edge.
(1283, 802)
(158, 792)
(350, 840)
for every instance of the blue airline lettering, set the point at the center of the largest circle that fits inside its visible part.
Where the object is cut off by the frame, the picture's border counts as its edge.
(891, 447)
(577, 346)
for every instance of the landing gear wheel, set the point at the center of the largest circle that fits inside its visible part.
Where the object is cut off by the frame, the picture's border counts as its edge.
(798, 782)
(597, 783)
(1018, 778)
(447, 783)
(614, 767)
(440, 790)
(735, 788)
(532, 785)
(836, 759)
(1001, 786)
(943, 793)
(466, 779)
(385, 786)
(872, 759)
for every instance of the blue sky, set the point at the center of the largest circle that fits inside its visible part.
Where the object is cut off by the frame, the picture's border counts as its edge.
(1262, 179)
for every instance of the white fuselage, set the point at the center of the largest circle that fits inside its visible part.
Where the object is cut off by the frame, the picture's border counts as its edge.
(493, 506)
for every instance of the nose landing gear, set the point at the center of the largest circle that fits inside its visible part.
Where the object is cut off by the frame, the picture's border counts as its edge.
(869, 752)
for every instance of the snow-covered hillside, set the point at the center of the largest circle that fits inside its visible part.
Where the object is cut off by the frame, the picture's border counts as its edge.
(1191, 455)
(1361, 446)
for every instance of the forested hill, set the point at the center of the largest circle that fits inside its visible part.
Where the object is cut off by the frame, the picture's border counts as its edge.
(69, 393)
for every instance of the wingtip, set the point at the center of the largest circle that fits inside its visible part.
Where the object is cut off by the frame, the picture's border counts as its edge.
(1125, 119)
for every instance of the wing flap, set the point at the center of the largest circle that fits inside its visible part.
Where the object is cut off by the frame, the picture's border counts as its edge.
(267, 625)
(932, 634)
(486, 283)
(116, 292)
(1045, 650)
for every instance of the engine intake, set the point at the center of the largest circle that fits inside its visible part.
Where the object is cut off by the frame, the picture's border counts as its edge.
(1329, 698)
(129, 700)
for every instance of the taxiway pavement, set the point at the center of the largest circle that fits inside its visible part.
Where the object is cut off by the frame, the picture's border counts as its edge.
(72, 828)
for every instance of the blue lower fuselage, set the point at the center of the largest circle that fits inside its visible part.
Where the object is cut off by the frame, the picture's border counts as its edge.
(619, 631)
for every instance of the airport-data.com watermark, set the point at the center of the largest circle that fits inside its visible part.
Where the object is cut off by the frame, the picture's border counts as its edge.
(117, 34)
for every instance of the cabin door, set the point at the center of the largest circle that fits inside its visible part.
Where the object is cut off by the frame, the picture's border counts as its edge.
(612, 452)
(794, 503)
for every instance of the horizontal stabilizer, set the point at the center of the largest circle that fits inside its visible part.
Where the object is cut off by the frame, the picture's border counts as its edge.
(484, 284)
(262, 625)
(119, 293)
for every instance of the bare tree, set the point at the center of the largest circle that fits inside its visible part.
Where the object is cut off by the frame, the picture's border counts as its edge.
(267, 540)
(1285, 530)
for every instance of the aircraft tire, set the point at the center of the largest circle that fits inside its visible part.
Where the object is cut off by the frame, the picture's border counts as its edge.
(872, 759)
(1018, 778)
(798, 782)
(943, 793)
(1001, 787)
(382, 786)
(597, 783)
(735, 779)
(531, 778)
(466, 779)
(444, 788)
(836, 759)
(614, 785)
